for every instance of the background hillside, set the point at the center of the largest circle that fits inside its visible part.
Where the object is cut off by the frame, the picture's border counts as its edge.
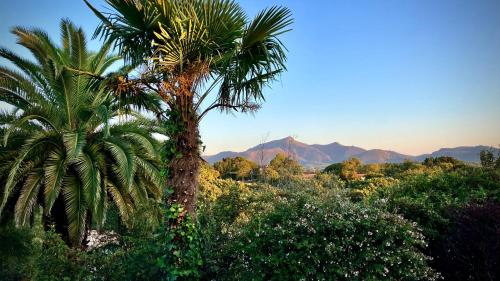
(317, 155)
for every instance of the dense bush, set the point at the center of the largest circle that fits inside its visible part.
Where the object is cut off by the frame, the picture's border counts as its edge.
(489, 160)
(281, 169)
(16, 252)
(170, 252)
(361, 189)
(327, 180)
(471, 248)
(313, 235)
(210, 184)
(425, 198)
(423, 194)
(443, 161)
(347, 170)
(321, 228)
(237, 168)
(57, 261)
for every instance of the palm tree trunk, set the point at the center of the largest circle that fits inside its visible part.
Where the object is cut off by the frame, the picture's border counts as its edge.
(184, 169)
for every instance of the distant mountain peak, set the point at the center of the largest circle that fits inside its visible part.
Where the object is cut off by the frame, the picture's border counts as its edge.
(290, 139)
(321, 155)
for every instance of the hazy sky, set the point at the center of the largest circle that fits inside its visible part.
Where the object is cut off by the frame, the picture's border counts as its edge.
(411, 76)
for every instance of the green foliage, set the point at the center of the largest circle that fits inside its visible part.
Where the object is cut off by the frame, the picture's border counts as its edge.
(327, 180)
(180, 244)
(371, 170)
(281, 169)
(489, 160)
(133, 259)
(312, 235)
(162, 253)
(425, 198)
(211, 186)
(308, 229)
(362, 189)
(201, 39)
(350, 169)
(430, 161)
(429, 194)
(59, 262)
(237, 168)
(147, 218)
(401, 170)
(470, 250)
(58, 141)
(334, 168)
(17, 255)
(347, 170)
(172, 126)
(285, 165)
(169, 252)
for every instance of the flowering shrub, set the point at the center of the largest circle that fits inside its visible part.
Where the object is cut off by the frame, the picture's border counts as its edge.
(313, 236)
(327, 180)
(362, 189)
(426, 198)
(211, 186)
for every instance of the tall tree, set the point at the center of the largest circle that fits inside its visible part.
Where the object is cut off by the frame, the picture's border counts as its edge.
(59, 147)
(198, 55)
(237, 168)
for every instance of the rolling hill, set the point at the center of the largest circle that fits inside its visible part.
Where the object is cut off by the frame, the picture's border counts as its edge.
(318, 155)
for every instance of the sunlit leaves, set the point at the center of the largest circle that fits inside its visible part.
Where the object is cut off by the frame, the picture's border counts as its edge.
(204, 40)
(59, 143)
(74, 143)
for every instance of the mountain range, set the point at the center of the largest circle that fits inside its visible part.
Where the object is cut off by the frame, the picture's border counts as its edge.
(319, 155)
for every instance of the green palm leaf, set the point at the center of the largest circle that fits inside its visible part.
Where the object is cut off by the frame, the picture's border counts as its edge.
(120, 202)
(27, 198)
(30, 145)
(55, 169)
(74, 143)
(58, 136)
(76, 207)
(90, 176)
(124, 158)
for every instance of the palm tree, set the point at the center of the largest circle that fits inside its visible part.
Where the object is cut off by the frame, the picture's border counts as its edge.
(198, 55)
(59, 146)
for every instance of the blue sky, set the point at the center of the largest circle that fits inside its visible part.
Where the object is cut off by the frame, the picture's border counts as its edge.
(411, 76)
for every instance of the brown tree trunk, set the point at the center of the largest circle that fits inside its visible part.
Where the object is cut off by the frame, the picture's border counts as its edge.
(184, 170)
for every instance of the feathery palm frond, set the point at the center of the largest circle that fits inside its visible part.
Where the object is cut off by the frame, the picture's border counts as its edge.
(60, 143)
